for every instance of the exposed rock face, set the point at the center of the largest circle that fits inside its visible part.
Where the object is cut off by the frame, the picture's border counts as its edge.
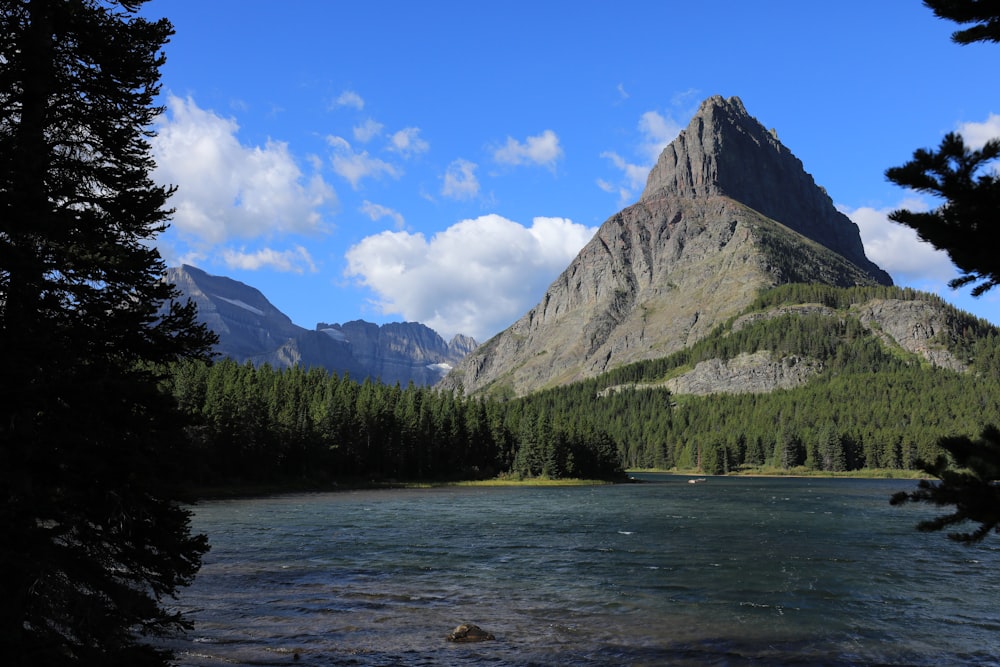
(916, 326)
(919, 327)
(725, 152)
(726, 212)
(400, 350)
(245, 321)
(251, 329)
(747, 373)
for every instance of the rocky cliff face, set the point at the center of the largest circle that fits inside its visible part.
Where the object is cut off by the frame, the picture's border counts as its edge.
(916, 326)
(727, 211)
(251, 329)
(401, 351)
(920, 327)
(726, 152)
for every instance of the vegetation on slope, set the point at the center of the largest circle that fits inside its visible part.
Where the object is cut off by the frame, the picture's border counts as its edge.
(871, 407)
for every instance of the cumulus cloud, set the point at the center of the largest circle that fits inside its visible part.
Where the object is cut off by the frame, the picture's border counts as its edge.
(460, 180)
(407, 142)
(377, 212)
(296, 260)
(357, 165)
(367, 131)
(227, 190)
(349, 98)
(542, 149)
(977, 134)
(897, 248)
(476, 277)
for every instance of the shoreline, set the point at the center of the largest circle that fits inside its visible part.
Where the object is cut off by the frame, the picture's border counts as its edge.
(236, 490)
(879, 473)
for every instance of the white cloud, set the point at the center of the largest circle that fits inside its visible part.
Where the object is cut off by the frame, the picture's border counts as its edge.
(604, 185)
(897, 248)
(355, 166)
(377, 212)
(655, 132)
(349, 98)
(634, 174)
(407, 142)
(476, 277)
(460, 180)
(542, 149)
(227, 190)
(622, 92)
(296, 260)
(977, 134)
(367, 131)
(624, 194)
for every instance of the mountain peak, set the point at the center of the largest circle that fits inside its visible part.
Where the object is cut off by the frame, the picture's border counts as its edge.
(727, 211)
(724, 151)
(711, 156)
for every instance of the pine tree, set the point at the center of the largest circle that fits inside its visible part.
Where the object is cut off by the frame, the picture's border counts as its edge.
(966, 226)
(983, 15)
(92, 538)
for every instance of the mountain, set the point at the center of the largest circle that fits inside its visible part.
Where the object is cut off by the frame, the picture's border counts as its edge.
(727, 212)
(251, 329)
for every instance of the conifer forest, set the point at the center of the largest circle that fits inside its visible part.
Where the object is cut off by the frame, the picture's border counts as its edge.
(871, 406)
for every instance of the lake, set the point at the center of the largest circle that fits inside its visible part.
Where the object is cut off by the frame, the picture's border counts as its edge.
(732, 571)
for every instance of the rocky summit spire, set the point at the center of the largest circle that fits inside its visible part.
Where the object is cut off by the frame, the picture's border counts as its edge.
(727, 211)
(726, 152)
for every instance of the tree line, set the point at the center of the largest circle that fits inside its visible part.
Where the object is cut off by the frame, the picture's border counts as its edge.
(267, 425)
(871, 406)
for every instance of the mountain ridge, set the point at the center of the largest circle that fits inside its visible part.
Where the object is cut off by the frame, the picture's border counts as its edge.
(251, 329)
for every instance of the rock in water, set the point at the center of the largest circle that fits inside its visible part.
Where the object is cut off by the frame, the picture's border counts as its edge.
(467, 632)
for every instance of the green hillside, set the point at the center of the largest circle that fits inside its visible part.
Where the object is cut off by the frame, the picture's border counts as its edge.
(873, 405)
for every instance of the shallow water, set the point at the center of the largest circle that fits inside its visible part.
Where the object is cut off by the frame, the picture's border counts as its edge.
(735, 571)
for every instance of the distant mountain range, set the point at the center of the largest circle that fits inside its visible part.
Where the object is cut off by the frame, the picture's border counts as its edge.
(251, 328)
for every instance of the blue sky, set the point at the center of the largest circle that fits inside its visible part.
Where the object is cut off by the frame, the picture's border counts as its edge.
(443, 162)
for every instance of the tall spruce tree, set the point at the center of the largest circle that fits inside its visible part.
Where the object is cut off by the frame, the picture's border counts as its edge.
(93, 540)
(967, 226)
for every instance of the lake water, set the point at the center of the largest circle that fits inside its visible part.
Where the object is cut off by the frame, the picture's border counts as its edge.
(734, 571)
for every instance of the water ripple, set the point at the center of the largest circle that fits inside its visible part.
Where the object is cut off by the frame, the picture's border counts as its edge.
(754, 572)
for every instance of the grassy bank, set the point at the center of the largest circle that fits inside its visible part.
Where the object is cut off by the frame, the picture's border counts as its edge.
(531, 481)
(225, 491)
(770, 471)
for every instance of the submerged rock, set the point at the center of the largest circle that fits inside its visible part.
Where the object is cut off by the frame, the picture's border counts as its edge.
(467, 632)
